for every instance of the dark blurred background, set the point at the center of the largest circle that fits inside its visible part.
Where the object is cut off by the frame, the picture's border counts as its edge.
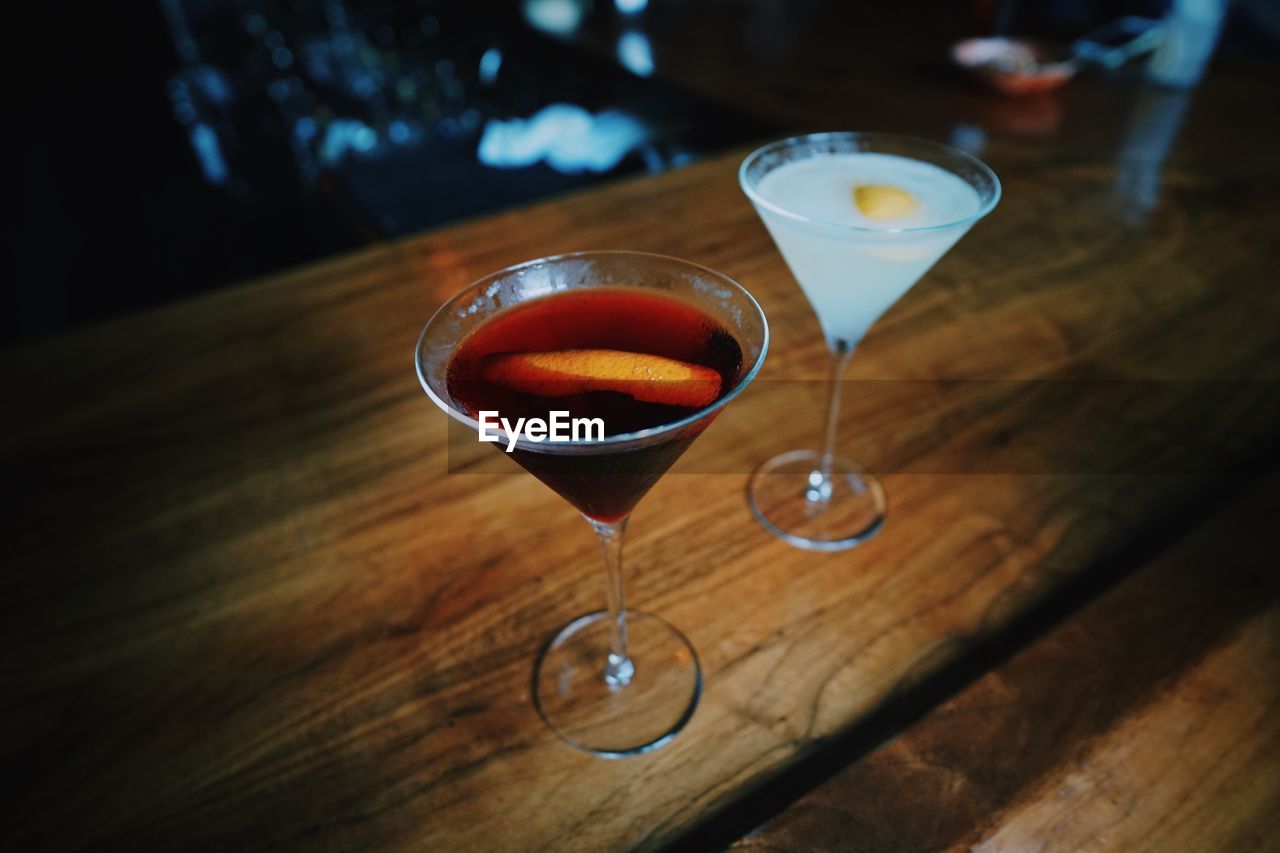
(169, 147)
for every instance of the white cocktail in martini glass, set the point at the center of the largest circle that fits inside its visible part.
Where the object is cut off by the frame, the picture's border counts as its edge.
(859, 218)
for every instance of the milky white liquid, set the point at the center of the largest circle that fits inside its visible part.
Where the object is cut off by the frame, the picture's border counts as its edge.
(852, 275)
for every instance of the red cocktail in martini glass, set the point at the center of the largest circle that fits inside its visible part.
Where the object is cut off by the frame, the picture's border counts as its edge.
(651, 348)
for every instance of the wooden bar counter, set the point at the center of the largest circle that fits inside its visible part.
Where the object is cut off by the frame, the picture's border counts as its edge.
(256, 598)
(1146, 721)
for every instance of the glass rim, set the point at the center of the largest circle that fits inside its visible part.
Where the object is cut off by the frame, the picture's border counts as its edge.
(872, 137)
(623, 441)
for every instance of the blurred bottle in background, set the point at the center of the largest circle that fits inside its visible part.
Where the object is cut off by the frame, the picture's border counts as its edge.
(1189, 33)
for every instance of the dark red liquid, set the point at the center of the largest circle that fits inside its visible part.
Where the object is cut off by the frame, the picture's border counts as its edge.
(604, 484)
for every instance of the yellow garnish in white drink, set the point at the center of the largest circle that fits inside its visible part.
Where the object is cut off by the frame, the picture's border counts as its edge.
(880, 202)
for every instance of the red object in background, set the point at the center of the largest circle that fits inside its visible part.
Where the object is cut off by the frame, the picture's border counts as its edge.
(1015, 67)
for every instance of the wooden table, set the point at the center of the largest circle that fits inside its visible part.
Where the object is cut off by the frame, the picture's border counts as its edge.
(1146, 721)
(248, 604)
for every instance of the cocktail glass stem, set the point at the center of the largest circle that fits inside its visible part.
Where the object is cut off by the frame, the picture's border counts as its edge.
(618, 669)
(820, 481)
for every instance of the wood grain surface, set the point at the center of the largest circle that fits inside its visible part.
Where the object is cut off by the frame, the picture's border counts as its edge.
(252, 599)
(1149, 720)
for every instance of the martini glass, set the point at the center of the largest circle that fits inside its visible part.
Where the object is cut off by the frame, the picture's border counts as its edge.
(615, 682)
(852, 266)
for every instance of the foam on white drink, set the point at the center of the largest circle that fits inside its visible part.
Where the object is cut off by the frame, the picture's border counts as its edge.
(851, 267)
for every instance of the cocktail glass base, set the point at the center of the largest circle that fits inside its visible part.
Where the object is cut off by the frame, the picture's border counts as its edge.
(788, 496)
(612, 721)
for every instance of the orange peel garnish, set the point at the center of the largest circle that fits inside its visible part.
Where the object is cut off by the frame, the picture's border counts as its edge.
(559, 373)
